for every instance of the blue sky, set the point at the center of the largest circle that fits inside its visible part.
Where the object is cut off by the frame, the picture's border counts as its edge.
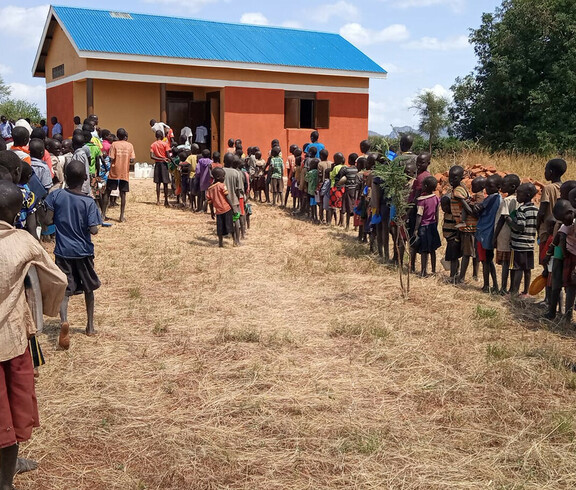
(422, 43)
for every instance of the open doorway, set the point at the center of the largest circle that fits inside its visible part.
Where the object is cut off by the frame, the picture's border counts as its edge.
(214, 102)
(183, 110)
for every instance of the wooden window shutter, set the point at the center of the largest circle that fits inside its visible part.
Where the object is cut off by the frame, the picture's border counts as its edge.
(322, 114)
(291, 113)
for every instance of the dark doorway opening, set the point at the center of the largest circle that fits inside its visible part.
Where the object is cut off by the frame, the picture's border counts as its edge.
(183, 110)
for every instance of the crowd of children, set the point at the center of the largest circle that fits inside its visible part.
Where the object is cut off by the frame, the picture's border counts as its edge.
(65, 186)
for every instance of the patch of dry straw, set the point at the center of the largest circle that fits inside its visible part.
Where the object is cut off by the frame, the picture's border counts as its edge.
(293, 362)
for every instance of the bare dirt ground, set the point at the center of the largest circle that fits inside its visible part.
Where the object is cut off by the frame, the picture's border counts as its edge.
(293, 362)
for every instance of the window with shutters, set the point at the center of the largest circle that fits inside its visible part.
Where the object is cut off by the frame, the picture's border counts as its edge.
(302, 110)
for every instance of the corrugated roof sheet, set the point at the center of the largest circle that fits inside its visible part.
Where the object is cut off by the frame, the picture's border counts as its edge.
(152, 35)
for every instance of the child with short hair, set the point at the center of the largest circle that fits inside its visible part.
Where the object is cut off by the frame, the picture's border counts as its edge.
(18, 405)
(76, 217)
(567, 242)
(452, 236)
(204, 178)
(426, 225)
(486, 212)
(276, 175)
(216, 161)
(217, 196)
(294, 187)
(312, 181)
(325, 195)
(185, 182)
(553, 173)
(467, 227)
(502, 233)
(523, 236)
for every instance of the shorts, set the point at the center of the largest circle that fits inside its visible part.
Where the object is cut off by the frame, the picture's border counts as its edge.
(453, 250)
(312, 201)
(502, 256)
(18, 405)
(429, 238)
(521, 260)
(277, 185)
(82, 277)
(569, 265)
(121, 185)
(467, 244)
(348, 201)
(225, 223)
(161, 174)
(185, 184)
(241, 205)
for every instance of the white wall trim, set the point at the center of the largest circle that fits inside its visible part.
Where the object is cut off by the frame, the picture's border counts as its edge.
(201, 82)
(228, 64)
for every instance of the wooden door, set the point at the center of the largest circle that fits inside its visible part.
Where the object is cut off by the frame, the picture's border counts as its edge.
(214, 98)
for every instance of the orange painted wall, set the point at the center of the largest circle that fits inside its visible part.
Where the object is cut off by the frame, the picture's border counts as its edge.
(256, 116)
(60, 103)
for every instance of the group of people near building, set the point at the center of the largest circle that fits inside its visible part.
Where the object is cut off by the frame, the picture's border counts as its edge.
(64, 186)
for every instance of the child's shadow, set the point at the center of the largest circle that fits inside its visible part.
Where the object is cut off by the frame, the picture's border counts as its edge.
(51, 331)
(203, 241)
(530, 316)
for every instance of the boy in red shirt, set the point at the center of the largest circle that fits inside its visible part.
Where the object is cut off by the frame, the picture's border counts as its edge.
(217, 196)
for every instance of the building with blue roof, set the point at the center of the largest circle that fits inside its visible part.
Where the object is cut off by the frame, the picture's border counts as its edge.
(256, 83)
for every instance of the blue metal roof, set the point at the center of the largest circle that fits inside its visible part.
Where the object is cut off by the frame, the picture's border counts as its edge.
(152, 35)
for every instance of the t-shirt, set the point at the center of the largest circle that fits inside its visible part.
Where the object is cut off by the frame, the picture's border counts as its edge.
(570, 232)
(193, 161)
(201, 133)
(507, 208)
(406, 158)
(312, 179)
(42, 172)
(523, 241)
(290, 163)
(417, 185)
(216, 194)
(160, 149)
(485, 225)
(22, 152)
(334, 173)
(318, 146)
(456, 207)
(322, 166)
(28, 208)
(449, 230)
(56, 129)
(203, 173)
(351, 173)
(83, 155)
(233, 184)
(276, 168)
(160, 126)
(121, 152)
(74, 214)
(426, 207)
(550, 194)
(94, 154)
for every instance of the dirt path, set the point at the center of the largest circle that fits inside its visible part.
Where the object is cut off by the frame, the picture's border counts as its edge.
(292, 362)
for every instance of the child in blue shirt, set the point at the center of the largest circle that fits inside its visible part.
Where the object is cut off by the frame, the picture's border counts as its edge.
(487, 211)
(76, 218)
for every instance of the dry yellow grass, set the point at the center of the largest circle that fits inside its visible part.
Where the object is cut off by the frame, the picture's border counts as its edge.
(522, 164)
(293, 362)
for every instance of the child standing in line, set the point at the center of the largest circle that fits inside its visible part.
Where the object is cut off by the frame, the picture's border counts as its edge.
(295, 188)
(567, 240)
(553, 173)
(289, 167)
(217, 196)
(486, 212)
(204, 178)
(452, 237)
(502, 233)
(259, 177)
(76, 217)
(467, 228)
(523, 236)
(194, 185)
(276, 176)
(325, 195)
(184, 176)
(312, 181)
(426, 226)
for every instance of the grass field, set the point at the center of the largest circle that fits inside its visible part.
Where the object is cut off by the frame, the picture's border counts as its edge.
(293, 362)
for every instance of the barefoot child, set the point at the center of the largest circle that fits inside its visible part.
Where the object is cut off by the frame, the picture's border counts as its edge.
(217, 196)
(312, 182)
(523, 236)
(18, 406)
(452, 236)
(76, 217)
(276, 175)
(486, 212)
(502, 233)
(426, 226)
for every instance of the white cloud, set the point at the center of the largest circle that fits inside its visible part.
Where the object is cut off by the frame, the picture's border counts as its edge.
(22, 26)
(5, 70)
(456, 5)
(362, 36)
(435, 44)
(257, 18)
(191, 6)
(341, 9)
(29, 93)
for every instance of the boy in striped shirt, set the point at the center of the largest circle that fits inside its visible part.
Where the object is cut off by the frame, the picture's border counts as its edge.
(523, 236)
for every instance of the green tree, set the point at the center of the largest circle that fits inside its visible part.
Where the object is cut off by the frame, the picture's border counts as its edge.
(522, 93)
(5, 90)
(20, 109)
(433, 112)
